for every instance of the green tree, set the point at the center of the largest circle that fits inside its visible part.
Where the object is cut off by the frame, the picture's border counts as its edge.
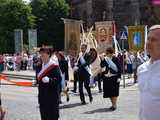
(49, 24)
(14, 14)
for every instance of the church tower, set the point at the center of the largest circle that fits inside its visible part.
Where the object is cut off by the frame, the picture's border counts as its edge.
(123, 12)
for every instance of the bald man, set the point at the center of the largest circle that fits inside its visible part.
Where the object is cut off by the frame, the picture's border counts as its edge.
(149, 78)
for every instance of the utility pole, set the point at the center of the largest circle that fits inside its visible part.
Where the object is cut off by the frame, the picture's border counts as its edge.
(123, 38)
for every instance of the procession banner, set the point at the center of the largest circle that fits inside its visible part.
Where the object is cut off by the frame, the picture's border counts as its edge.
(136, 38)
(18, 40)
(72, 36)
(32, 36)
(104, 33)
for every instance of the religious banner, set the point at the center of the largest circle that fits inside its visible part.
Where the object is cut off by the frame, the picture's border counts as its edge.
(72, 36)
(136, 38)
(104, 34)
(18, 40)
(32, 36)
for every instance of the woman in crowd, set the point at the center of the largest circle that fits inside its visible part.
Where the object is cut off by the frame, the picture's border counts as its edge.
(63, 64)
(1, 63)
(136, 63)
(110, 77)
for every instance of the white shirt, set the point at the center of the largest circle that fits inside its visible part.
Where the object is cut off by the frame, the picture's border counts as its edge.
(54, 59)
(149, 87)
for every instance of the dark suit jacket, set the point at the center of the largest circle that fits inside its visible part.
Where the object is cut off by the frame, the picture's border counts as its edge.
(81, 67)
(63, 64)
(49, 92)
(117, 63)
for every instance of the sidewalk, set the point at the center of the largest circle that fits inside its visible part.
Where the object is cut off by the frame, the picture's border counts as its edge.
(26, 73)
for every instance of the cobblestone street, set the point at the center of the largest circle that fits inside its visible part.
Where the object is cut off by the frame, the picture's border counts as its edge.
(21, 104)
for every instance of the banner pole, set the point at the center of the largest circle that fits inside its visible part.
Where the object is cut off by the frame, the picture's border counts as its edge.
(124, 82)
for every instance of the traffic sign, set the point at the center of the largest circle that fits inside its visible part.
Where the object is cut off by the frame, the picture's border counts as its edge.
(123, 35)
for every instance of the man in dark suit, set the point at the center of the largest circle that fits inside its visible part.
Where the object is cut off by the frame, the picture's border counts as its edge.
(84, 73)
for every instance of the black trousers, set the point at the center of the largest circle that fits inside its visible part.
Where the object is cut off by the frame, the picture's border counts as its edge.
(49, 112)
(98, 78)
(75, 81)
(84, 80)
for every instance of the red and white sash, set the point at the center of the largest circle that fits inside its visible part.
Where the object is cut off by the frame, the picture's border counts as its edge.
(46, 69)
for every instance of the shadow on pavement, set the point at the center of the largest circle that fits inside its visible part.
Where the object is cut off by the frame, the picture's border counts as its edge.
(70, 106)
(86, 94)
(101, 110)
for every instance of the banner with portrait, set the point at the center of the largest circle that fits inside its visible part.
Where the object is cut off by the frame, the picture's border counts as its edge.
(72, 36)
(136, 38)
(104, 35)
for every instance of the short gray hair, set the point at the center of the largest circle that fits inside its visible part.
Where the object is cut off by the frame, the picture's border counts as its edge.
(154, 27)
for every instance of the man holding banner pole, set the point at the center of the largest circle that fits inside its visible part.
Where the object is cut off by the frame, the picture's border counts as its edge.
(84, 73)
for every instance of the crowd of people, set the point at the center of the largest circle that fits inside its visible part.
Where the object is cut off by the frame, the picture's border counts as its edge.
(110, 73)
(16, 62)
(52, 74)
(111, 70)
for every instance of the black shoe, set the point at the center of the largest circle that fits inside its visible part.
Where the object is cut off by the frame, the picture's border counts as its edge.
(112, 108)
(67, 99)
(100, 91)
(83, 102)
(67, 89)
(60, 102)
(91, 99)
(74, 91)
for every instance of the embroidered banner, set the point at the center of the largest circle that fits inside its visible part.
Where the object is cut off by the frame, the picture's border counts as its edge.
(72, 36)
(136, 38)
(104, 34)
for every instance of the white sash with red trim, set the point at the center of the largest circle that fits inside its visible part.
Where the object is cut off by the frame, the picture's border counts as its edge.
(46, 69)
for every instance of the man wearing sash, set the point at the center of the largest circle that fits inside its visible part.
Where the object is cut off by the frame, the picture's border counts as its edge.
(110, 77)
(84, 73)
(49, 84)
